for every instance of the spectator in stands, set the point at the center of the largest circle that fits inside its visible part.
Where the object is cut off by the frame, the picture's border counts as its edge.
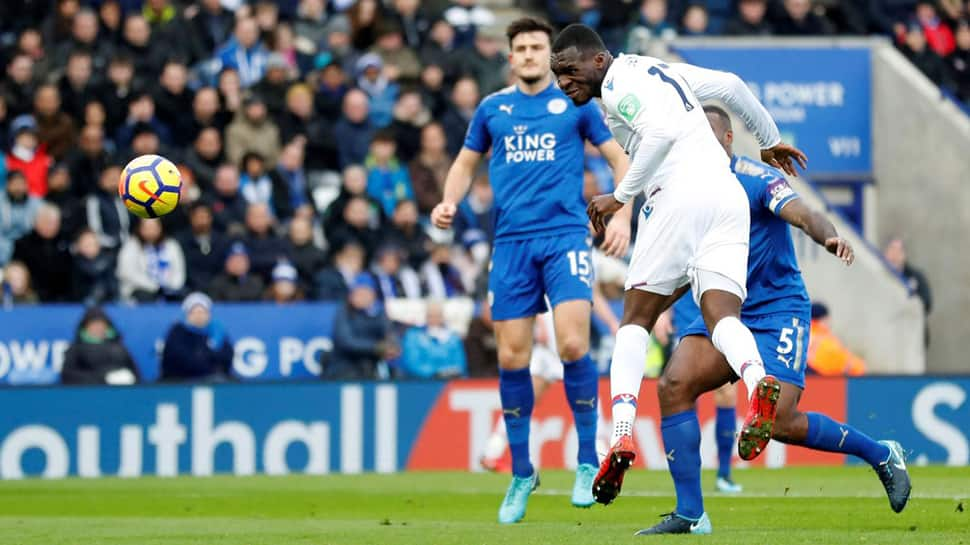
(464, 100)
(260, 186)
(485, 61)
(159, 13)
(109, 19)
(145, 140)
(481, 348)
(469, 20)
(959, 62)
(18, 86)
(77, 85)
(118, 91)
(331, 88)
(290, 171)
(401, 62)
(87, 161)
(285, 286)
(274, 84)
(318, 143)
(310, 26)
(245, 52)
(939, 36)
(28, 156)
(229, 206)
(97, 355)
(141, 112)
(928, 62)
(207, 111)
(253, 131)
(408, 234)
(197, 349)
(236, 283)
(826, 354)
(365, 18)
(474, 223)
(57, 27)
(412, 20)
(394, 278)
(915, 280)
(362, 336)
(381, 91)
(695, 20)
(209, 26)
(439, 47)
(340, 42)
(205, 157)
(433, 351)
(15, 285)
(61, 195)
(84, 37)
(17, 212)
(106, 214)
(204, 249)
(430, 168)
(354, 185)
(173, 99)
(93, 277)
(387, 179)
(151, 265)
(440, 277)
(409, 116)
(230, 91)
(333, 282)
(265, 247)
(355, 129)
(94, 114)
(433, 90)
(798, 19)
(45, 253)
(307, 257)
(651, 25)
(146, 53)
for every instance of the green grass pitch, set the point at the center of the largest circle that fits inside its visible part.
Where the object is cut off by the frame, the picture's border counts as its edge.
(840, 505)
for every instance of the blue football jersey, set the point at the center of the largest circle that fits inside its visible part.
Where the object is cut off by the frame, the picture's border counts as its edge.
(774, 279)
(536, 169)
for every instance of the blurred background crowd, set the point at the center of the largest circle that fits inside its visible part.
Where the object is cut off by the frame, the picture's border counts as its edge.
(313, 138)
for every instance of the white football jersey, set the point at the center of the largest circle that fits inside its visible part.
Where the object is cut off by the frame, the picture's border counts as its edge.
(653, 103)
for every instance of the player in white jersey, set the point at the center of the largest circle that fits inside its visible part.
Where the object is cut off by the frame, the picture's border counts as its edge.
(695, 225)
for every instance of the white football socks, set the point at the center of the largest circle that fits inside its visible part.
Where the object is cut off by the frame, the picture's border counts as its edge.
(626, 374)
(736, 342)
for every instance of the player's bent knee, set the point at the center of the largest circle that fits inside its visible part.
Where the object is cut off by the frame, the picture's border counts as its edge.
(573, 348)
(672, 391)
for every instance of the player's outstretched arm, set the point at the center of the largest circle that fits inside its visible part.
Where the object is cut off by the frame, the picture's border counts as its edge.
(457, 182)
(817, 226)
(617, 239)
(728, 88)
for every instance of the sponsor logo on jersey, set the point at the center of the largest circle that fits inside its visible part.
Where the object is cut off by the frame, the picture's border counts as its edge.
(628, 107)
(507, 108)
(529, 147)
(556, 106)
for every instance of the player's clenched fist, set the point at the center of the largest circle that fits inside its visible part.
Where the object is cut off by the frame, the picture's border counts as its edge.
(599, 208)
(443, 214)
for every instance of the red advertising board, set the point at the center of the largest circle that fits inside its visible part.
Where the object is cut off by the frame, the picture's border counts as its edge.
(454, 434)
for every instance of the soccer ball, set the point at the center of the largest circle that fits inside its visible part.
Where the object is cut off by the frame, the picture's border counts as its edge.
(149, 186)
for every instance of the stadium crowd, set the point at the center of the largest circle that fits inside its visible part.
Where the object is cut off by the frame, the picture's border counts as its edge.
(313, 138)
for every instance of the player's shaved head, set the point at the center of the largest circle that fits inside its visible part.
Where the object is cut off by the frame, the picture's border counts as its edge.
(721, 125)
(582, 37)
